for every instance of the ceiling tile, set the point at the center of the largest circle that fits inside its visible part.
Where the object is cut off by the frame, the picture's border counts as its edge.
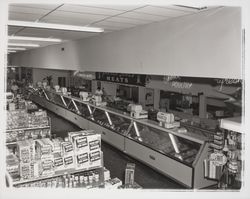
(161, 11)
(39, 6)
(13, 29)
(28, 10)
(24, 16)
(72, 18)
(122, 7)
(128, 20)
(143, 16)
(179, 8)
(89, 10)
(114, 24)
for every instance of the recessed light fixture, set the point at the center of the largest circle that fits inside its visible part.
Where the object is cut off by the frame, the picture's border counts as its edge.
(34, 38)
(23, 44)
(16, 48)
(54, 26)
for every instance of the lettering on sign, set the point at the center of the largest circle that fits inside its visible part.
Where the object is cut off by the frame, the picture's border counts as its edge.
(124, 78)
(181, 85)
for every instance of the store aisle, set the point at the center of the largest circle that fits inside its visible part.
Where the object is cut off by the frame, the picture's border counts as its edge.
(116, 161)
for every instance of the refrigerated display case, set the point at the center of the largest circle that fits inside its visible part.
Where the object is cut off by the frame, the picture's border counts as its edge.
(177, 155)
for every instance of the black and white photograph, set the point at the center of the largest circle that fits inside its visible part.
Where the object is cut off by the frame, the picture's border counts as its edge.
(124, 99)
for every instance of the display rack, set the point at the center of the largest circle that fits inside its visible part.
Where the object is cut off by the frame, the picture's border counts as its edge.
(177, 155)
(13, 183)
(25, 129)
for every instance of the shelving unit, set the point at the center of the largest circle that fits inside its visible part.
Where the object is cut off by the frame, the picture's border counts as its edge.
(13, 183)
(180, 155)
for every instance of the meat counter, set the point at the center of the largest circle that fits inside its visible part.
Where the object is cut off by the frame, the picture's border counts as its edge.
(176, 155)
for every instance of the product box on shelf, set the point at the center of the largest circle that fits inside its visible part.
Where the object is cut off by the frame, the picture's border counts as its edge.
(25, 171)
(95, 159)
(86, 141)
(67, 148)
(58, 162)
(46, 168)
(56, 147)
(82, 160)
(44, 147)
(12, 164)
(113, 183)
(69, 161)
(26, 150)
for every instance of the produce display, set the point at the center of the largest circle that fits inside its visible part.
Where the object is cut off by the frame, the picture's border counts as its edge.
(46, 157)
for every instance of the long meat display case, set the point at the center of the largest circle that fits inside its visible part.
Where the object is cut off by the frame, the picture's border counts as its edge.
(176, 155)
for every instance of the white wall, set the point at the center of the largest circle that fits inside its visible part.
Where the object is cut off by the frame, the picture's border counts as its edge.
(39, 74)
(207, 44)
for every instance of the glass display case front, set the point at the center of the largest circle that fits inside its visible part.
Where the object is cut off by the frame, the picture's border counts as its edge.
(176, 147)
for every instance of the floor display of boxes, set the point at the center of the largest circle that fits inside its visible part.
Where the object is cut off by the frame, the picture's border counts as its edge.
(77, 162)
(177, 155)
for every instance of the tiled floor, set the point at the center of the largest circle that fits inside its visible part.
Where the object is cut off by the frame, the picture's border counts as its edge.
(116, 161)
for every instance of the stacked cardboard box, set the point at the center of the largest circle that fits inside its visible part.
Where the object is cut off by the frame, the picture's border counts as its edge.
(45, 156)
(26, 155)
(68, 155)
(87, 148)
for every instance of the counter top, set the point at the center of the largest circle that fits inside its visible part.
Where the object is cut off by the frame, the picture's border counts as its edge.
(151, 123)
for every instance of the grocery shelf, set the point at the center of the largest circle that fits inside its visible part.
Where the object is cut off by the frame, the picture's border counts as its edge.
(12, 182)
(28, 128)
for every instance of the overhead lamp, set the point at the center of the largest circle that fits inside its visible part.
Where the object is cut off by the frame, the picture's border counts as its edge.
(54, 26)
(34, 38)
(11, 51)
(23, 44)
(16, 48)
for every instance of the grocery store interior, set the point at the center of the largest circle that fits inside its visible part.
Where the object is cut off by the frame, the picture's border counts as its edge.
(124, 97)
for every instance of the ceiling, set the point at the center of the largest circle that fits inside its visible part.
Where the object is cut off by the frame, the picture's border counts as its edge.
(109, 17)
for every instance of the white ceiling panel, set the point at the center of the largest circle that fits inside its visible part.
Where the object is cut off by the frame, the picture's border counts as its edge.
(39, 6)
(89, 10)
(161, 11)
(24, 16)
(127, 20)
(179, 8)
(124, 7)
(20, 9)
(13, 29)
(72, 18)
(114, 24)
(143, 16)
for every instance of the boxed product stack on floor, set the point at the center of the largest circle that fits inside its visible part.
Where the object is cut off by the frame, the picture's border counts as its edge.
(76, 161)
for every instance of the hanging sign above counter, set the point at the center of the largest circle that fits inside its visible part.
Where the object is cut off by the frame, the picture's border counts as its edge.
(133, 79)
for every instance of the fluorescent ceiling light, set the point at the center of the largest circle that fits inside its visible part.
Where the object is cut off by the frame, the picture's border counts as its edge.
(34, 39)
(22, 44)
(11, 51)
(54, 26)
(16, 48)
